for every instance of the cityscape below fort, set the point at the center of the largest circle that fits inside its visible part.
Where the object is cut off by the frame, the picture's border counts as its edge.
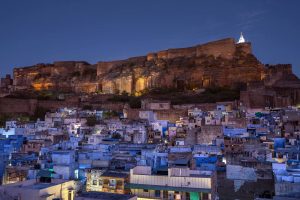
(206, 122)
(149, 100)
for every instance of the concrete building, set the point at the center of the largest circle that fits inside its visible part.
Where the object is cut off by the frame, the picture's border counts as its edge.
(64, 164)
(104, 196)
(39, 190)
(107, 181)
(178, 183)
(287, 180)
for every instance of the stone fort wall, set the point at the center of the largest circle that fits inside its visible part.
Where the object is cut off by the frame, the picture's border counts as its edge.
(29, 106)
(218, 63)
(11, 105)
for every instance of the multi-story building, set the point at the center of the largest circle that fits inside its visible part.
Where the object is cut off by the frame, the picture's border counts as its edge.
(64, 164)
(177, 184)
(15, 174)
(104, 196)
(43, 189)
(99, 180)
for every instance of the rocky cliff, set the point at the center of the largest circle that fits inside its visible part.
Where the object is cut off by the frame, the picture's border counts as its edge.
(67, 76)
(219, 63)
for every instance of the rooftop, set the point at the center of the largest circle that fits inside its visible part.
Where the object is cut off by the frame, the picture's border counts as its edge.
(34, 185)
(105, 196)
(115, 174)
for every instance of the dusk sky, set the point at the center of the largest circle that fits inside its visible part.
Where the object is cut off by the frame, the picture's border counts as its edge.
(43, 31)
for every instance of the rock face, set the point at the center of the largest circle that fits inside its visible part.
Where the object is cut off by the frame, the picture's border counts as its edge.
(219, 63)
(67, 76)
(279, 88)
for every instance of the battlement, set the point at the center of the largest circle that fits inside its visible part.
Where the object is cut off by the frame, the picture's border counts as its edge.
(214, 63)
(224, 48)
(221, 48)
(69, 63)
(279, 68)
(104, 67)
(245, 47)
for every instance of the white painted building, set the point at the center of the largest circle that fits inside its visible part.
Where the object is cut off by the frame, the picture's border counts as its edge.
(180, 183)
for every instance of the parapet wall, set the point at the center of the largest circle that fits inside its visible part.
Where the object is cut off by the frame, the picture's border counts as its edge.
(274, 73)
(224, 48)
(12, 106)
(279, 68)
(244, 47)
(218, 63)
(104, 67)
(29, 106)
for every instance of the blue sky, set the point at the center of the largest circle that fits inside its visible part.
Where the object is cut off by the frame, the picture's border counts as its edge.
(43, 31)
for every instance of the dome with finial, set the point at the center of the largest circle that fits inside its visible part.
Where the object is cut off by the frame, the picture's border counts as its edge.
(242, 39)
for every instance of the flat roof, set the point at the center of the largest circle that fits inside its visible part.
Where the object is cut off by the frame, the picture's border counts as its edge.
(39, 186)
(106, 196)
(115, 174)
(160, 187)
(32, 184)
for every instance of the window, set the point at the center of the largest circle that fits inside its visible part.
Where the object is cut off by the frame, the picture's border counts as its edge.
(205, 196)
(112, 183)
(157, 193)
(165, 194)
(70, 195)
(100, 182)
(177, 196)
(94, 182)
(119, 183)
(145, 190)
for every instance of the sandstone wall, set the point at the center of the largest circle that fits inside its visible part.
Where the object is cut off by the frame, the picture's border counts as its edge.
(62, 75)
(209, 133)
(275, 72)
(218, 63)
(203, 107)
(224, 48)
(132, 114)
(53, 105)
(29, 106)
(104, 67)
(108, 106)
(170, 115)
(13, 106)
(244, 47)
(87, 87)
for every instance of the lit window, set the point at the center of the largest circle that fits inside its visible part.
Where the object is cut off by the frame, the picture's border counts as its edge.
(157, 193)
(94, 182)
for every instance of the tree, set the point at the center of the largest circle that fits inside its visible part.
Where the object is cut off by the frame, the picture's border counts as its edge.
(116, 136)
(39, 113)
(91, 121)
(87, 107)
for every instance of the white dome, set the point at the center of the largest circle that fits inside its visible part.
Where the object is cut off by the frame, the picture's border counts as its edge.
(242, 39)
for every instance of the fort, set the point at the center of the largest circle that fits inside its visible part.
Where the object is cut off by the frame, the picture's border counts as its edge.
(224, 63)
(220, 63)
